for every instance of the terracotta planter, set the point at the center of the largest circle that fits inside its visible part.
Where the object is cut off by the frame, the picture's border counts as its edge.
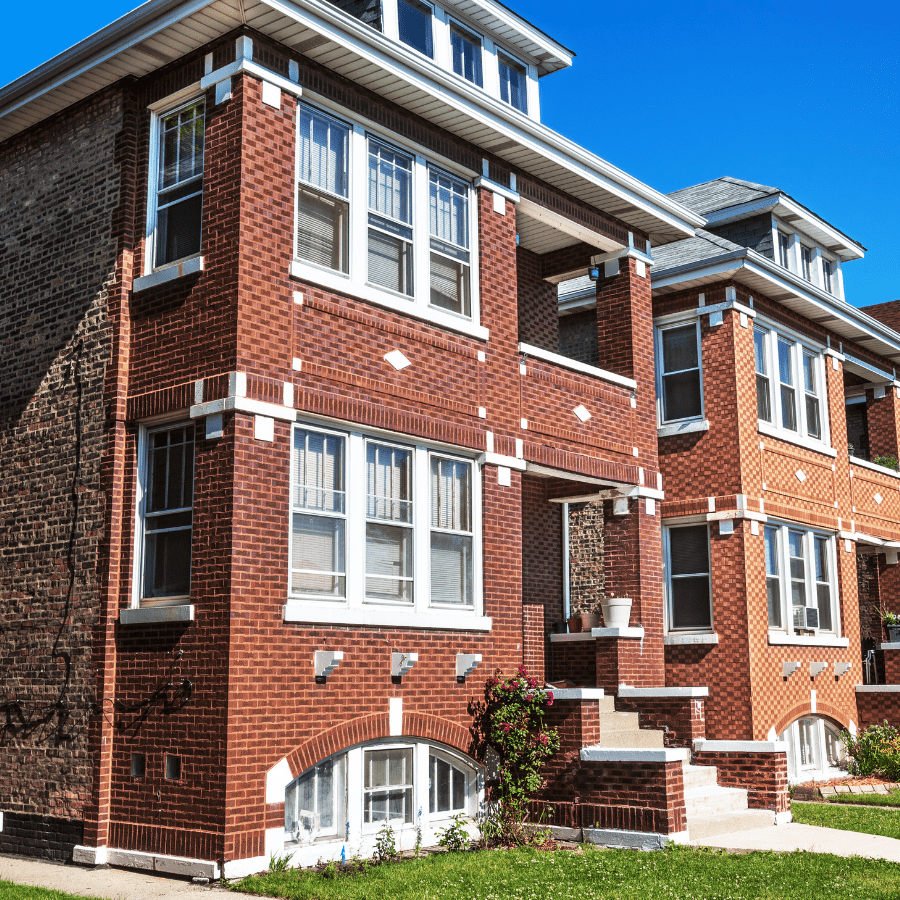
(589, 621)
(574, 623)
(616, 612)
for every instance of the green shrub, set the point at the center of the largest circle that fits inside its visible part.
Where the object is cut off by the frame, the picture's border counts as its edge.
(874, 751)
(889, 462)
(455, 837)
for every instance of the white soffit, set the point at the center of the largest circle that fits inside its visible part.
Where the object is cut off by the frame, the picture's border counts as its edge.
(163, 30)
(761, 275)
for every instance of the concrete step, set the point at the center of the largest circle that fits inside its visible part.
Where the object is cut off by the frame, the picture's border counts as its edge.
(617, 721)
(698, 776)
(607, 704)
(702, 827)
(712, 800)
(636, 738)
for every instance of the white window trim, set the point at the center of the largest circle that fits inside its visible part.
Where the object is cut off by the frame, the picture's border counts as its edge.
(137, 575)
(667, 580)
(777, 635)
(661, 420)
(819, 256)
(820, 767)
(354, 608)
(356, 282)
(157, 113)
(798, 345)
(357, 833)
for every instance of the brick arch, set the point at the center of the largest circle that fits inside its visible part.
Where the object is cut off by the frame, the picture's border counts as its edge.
(823, 710)
(374, 727)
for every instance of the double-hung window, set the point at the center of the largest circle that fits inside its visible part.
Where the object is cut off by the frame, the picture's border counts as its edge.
(688, 578)
(784, 249)
(415, 23)
(806, 256)
(790, 392)
(513, 82)
(827, 282)
(465, 50)
(177, 203)
(167, 515)
(800, 579)
(679, 380)
(323, 207)
(383, 223)
(380, 524)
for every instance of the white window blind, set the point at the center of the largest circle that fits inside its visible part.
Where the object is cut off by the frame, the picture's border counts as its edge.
(449, 226)
(451, 536)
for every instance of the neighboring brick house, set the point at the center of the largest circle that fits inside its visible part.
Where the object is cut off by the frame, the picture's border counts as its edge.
(291, 439)
(777, 411)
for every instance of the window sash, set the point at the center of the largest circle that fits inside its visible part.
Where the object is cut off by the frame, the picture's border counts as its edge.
(513, 82)
(415, 20)
(465, 51)
(688, 578)
(680, 380)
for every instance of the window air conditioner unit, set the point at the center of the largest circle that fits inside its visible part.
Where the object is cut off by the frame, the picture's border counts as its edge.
(806, 618)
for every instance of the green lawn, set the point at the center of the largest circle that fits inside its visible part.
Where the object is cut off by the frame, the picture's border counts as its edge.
(885, 822)
(10, 891)
(892, 798)
(676, 874)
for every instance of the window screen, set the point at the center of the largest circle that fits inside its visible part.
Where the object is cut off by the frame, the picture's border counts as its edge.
(388, 785)
(681, 373)
(447, 786)
(689, 578)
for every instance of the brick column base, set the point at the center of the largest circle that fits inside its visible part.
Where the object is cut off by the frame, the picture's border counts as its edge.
(763, 775)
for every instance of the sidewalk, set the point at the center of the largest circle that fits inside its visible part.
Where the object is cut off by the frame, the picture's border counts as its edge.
(812, 838)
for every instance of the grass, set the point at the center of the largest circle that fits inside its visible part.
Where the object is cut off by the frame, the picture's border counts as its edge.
(679, 873)
(10, 891)
(884, 822)
(892, 798)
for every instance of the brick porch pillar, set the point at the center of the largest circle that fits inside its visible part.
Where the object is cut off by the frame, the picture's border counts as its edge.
(883, 414)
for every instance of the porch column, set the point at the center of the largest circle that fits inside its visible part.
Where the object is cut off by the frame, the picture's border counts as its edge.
(883, 414)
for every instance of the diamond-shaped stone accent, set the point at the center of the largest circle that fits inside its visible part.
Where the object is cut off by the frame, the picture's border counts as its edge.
(581, 412)
(878, 498)
(801, 475)
(397, 359)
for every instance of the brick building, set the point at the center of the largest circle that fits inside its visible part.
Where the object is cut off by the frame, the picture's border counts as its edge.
(299, 442)
(778, 446)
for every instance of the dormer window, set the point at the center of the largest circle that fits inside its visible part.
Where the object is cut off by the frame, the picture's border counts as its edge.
(827, 282)
(784, 249)
(512, 82)
(806, 256)
(414, 20)
(465, 48)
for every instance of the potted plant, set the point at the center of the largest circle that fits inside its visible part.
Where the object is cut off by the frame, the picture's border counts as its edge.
(616, 611)
(574, 623)
(891, 625)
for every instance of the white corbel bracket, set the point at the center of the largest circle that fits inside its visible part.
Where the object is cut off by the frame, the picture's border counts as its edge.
(466, 663)
(788, 668)
(401, 663)
(325, 662)
(842, 668)
(817, 668)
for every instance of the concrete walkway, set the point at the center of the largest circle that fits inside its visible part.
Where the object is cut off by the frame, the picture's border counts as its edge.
(785, 838)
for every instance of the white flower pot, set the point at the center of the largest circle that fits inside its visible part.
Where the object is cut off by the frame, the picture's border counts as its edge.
(616, 612)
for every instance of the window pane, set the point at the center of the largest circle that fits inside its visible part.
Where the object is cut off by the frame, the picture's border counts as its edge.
(813, 425)
(388, 769)
(690, 602)
(451, 569)
(389, 563)
(167, 564)
(415, 25)
(318, 555)
(689, 550)
(759, 348)
(512, 82)
(390, 263)
(450, 285)
(449, 209)
(178, 229)
(679, 347)
(823, 586)
(181, 145)
(450, 494)
(785, 371)
(466, 51)
(388, 483)
(763, 403)
(322, 230)
(788, 410)
(322, 149)
(319, 471)
(773, 598)
(681, 396)
(390, 182)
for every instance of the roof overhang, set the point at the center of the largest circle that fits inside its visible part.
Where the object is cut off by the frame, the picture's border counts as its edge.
(789, 210)
(760, 274)
(161, 31)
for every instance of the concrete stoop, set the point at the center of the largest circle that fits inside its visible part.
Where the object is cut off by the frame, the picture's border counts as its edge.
(712, 810)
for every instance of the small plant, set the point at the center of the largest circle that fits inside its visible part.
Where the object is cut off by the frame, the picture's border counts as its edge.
(889, 462)
(417, 850)
(874, 751)
(279, 863)
(330, 870)
(455, 837)
(385, 844)
(889, 618)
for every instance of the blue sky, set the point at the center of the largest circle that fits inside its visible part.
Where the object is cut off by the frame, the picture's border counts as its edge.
(801, 95)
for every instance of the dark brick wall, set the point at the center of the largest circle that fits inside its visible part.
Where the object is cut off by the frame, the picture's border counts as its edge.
(42, 836)
(60, 191)
(537, 303)
(578, 337)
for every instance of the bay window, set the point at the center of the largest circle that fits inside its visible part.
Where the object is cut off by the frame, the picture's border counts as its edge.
(793, 406)
(375, 523)
(800, 579)
(679, 384)
(383, 223)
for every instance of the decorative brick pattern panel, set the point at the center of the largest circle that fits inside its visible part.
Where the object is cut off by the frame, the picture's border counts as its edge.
(538, 316)
(763, 775)
(586, 566)
(682, 718)
(876, 707)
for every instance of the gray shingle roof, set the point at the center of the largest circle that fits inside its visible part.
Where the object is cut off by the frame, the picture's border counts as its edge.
(696, 249)
(722, 193)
